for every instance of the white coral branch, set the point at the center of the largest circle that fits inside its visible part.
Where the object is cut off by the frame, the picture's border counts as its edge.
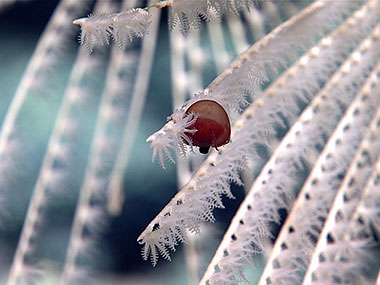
(257, 126)
(323, 266)
(124, 26)
(277, 184)
(239, 80)
(318, 192)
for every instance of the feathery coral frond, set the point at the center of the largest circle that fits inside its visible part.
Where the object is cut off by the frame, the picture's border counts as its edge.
(278, 182)
(231, 87)
(256, 126)
(320, 188)
(323, 266)
(124, 26)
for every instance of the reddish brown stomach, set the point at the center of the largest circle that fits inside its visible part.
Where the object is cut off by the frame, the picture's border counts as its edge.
(209, 133)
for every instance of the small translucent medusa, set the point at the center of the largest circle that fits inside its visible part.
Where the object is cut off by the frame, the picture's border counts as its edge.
(212, 125)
